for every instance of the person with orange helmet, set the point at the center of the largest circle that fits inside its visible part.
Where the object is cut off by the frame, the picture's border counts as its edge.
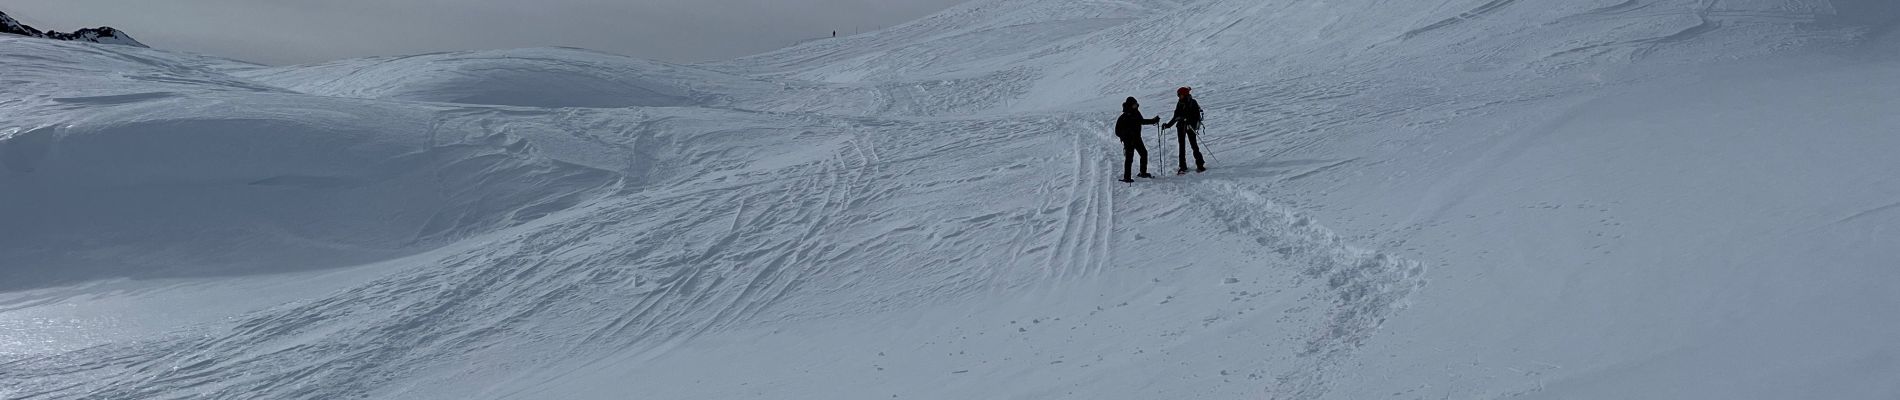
(1187, 114)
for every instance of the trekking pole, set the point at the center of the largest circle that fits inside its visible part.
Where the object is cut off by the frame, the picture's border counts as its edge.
(1178, 150)
(1160, 140)
(1209, 149)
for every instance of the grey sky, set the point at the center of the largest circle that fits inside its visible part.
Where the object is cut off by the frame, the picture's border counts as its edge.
(302, 31)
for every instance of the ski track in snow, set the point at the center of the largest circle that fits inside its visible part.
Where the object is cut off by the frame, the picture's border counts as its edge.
(695, 270)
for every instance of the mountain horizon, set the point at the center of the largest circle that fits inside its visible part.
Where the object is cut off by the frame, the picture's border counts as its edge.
(103, 34)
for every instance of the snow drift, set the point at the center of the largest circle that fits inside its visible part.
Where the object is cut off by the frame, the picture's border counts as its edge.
(261, 180)
(1462, 199)
(550, 77)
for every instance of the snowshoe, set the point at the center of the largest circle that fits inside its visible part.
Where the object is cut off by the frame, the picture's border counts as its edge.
(1200, 169)
(1126, 180)
(1145, 175)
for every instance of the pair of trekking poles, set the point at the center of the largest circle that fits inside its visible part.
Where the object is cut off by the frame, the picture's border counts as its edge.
(1199, 131)
(1161, 137)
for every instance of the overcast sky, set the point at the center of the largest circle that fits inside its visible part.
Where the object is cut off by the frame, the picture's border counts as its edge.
(303, 31)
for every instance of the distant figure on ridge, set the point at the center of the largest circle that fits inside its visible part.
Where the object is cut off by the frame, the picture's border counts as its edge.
(1187, 113)
(1128, 128)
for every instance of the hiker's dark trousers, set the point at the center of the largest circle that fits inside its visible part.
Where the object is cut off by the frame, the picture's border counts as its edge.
(1129, 148)
(1189, 136)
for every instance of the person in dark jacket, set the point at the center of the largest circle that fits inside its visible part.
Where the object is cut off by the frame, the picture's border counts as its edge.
(1187, 114)
(1128, 128)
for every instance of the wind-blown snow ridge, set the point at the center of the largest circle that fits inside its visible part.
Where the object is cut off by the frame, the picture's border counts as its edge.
(1603, 196)
(233, 168)
(549, 77)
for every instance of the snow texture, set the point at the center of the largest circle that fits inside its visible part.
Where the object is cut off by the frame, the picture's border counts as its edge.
(1668, 199)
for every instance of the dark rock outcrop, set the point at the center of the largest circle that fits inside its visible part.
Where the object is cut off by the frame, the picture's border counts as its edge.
(104, 34)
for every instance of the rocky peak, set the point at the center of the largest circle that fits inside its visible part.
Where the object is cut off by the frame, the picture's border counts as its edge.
(104, 34)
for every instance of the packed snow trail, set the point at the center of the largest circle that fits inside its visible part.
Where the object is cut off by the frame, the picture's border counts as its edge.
(929, 211)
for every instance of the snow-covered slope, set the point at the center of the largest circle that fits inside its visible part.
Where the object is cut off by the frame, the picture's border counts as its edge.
(102, 181)
(552, 77)
(1458, 199)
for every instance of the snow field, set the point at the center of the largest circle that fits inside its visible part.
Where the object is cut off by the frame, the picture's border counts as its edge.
(1464, 199)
